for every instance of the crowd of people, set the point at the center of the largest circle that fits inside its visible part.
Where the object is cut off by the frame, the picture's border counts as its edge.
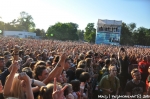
(53, 69)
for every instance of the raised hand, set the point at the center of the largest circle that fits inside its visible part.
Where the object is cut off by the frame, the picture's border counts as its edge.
(15, 66)
(58, 94)
(24, 76)
(63, 56)
(25, 80)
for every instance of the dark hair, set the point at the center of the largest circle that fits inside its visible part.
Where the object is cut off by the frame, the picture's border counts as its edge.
(67, 59)
(49, 63)
(107, 61)
(88, 56)
(113, 56)
(81, 56)
(9, 62)
(56, 59)
(96, 54)
(32, 65)
(81, 64)
(75, 85)
(78, 72)
(21, 52)
(122, 49)
(40, 63)
(7, 53)
(38, 71)
(84, 76)
(28, 71)
(88, 61)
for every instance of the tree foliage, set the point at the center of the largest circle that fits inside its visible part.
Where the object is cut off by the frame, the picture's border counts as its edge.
(132, 36)
(23, 23)
(63, 31)
(40, 32)
(80, 34)
(90, 32)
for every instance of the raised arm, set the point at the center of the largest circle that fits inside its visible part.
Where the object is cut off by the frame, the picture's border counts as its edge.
(119, 54)
(37, 83)
(57, 70)
(8, 84)
(27, 85)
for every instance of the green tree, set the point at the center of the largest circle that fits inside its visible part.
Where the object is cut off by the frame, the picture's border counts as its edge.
(63, 31)
(80, 34)
(142, 36)
(132, 36)
(131, 27)
(26, 21)
(1, 26)
(38, 32)
(90, 32)
(126, 35)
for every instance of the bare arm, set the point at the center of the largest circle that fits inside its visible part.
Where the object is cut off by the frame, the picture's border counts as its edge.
(57, 70)
(29, 93)
(35, 89)
(28, 89)
(37, 82)
(38, 85)
(8, 84)
(118, 55)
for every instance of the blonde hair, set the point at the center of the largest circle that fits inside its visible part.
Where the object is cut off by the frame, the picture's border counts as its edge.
(16, 88)
(46, 91)
(67, 90)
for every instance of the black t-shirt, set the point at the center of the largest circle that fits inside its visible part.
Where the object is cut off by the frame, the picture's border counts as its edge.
(135, 89)
(124, 64)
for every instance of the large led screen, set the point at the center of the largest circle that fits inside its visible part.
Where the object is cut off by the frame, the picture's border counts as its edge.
(107, 38)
